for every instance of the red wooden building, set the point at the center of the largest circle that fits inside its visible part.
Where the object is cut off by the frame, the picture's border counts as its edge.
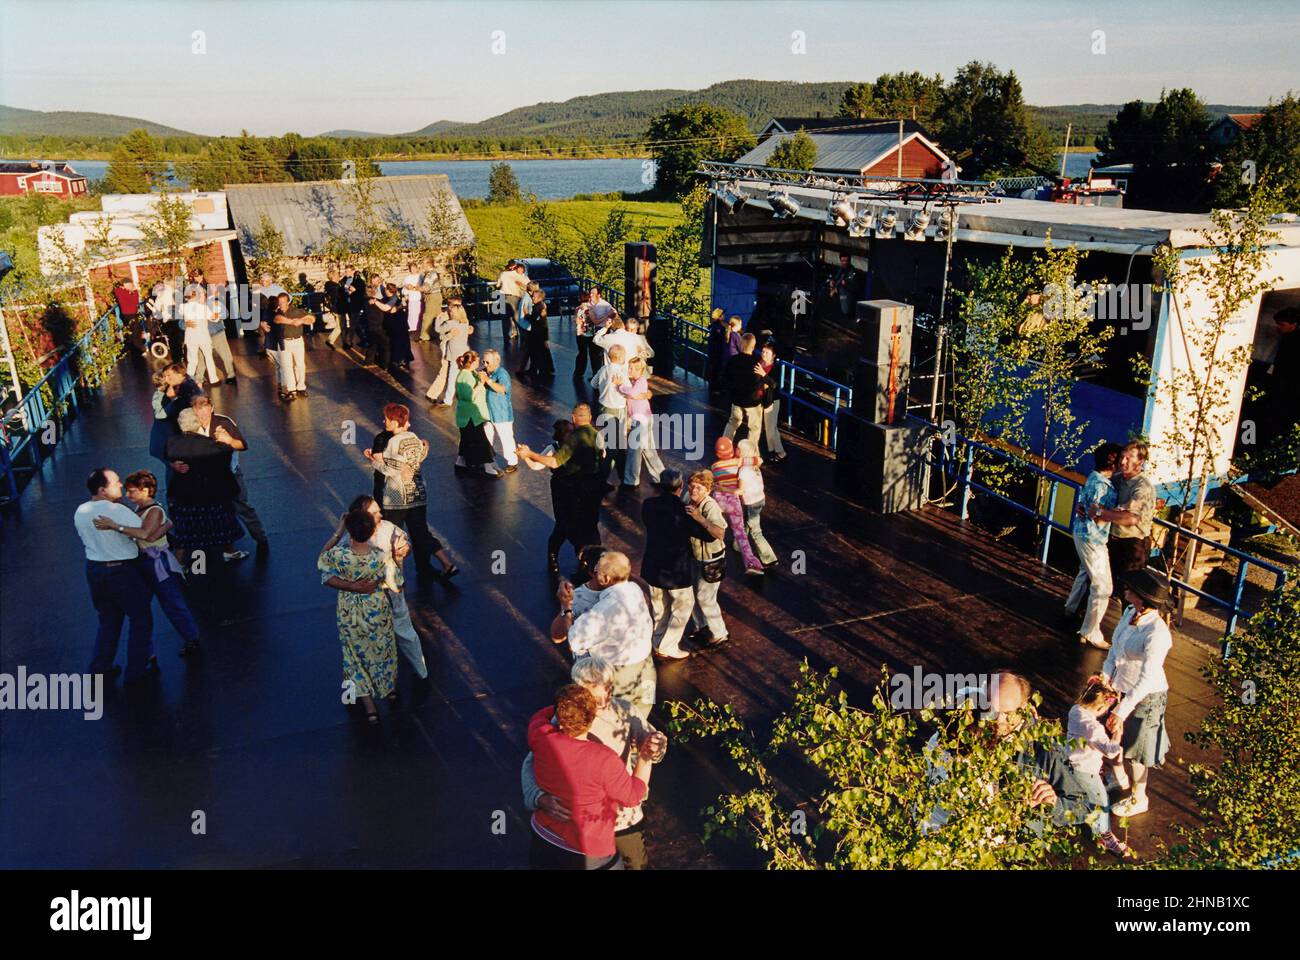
(868, 148)
(52, 178)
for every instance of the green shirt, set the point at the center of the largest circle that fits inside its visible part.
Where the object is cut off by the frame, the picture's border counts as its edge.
(579, 454)
(471, 399)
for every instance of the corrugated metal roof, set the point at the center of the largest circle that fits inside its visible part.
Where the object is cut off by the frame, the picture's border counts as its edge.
(836, 152)
(307, 214)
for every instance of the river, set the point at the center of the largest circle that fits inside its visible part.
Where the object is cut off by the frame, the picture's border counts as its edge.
(548, 179)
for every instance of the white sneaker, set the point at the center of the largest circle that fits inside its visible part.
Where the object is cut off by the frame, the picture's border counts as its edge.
(1131, 807)
(1113, 782)
(1101, 643)
(234, 555)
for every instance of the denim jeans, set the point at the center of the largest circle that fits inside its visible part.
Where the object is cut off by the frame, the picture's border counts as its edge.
(641, 449)
(121, 590)
(172, 600)
(1098, 799)
(1094, 581)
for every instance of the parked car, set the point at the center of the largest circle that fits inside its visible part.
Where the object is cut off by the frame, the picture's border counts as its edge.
(563, 291)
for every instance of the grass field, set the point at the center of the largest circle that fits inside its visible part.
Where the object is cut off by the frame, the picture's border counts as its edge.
(501, 234)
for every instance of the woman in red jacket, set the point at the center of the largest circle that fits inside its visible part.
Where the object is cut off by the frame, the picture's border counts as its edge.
(588, 777)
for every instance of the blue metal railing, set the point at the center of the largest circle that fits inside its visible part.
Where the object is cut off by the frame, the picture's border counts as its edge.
(26, 424)
(798, 386)
(1049, 524)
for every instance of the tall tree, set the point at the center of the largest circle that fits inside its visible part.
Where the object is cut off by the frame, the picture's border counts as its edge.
(799, 152)
(261, 164)
(503, 185)
(894, 96)
(1166, 143)
(137, 164)
(220, 163)
(984, 125)
(682, 139)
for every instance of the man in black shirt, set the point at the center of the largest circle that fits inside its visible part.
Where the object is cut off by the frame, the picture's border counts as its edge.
(666, 566)
(291, 323)
(577, 486)
(743, 376)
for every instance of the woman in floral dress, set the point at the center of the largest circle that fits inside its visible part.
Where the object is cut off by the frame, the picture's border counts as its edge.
(365, 616)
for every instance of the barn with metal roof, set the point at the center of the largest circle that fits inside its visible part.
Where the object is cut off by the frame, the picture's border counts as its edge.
(310, 214)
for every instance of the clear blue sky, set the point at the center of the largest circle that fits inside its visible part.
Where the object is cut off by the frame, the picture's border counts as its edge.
(397, 65)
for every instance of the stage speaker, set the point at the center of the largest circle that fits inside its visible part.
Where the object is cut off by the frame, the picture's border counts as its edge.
(883, 463)
(881, 375)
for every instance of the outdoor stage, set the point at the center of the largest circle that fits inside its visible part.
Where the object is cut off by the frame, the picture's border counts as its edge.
(252, 732)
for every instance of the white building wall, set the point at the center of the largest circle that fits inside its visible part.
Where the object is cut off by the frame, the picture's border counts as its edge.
(1176, 352)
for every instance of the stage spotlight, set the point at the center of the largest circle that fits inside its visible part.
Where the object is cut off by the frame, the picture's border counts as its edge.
(783, 207)
(947, 224)
(916, 225)
(841, 212)
(885, 224)
(732, 197)
(862, 224)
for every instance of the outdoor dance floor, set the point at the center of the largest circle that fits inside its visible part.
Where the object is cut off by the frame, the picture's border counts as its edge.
(253, 734)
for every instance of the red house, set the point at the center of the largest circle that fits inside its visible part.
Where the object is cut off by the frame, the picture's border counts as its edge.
(867, 148)
(53, 178)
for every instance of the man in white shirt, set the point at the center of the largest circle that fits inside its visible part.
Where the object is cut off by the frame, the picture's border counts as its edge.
(195, 315)
(617, 629)
(121, 585)
(616, 334)
(612, 422)
(512, 284)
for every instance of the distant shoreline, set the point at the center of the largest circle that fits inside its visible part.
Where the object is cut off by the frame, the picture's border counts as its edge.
(106, 156)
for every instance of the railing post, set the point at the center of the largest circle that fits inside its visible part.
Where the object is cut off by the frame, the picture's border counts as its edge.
(1238, 588)
(967, 471)
(835, 424)
(1047, 523)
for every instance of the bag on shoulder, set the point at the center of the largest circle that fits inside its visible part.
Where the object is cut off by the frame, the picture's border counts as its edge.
(713, 571)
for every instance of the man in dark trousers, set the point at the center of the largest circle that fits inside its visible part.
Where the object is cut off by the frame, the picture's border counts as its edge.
(579, 483)
(354, 289)
(121, 583)
(666, 566)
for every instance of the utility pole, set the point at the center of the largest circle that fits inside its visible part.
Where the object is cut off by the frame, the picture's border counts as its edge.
(1066, 153)
(900, 148)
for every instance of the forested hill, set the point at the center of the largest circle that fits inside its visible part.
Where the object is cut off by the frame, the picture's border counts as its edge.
(78, 123)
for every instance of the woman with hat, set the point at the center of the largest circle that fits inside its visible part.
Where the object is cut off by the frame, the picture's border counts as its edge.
(1135, 668)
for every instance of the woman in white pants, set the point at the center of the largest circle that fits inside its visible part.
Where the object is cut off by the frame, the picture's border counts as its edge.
(195, 315)
(411, 289)
(392, 543)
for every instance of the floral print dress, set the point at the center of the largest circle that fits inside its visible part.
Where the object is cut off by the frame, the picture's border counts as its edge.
(365, 621)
